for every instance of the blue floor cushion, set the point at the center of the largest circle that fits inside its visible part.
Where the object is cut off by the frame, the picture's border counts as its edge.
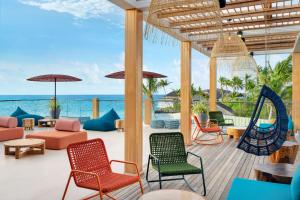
(157, 124)
(19, 111)
(21, 117)
(245, 189)
(104, 123)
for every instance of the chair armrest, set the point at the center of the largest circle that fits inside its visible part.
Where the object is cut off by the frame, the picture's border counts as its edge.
(151, 157)
(201, 163)
(88, 173)
(128, 163)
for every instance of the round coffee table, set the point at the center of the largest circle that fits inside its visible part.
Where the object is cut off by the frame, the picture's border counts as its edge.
(171, 195)
(235, 132)
(278, 173)
(24, 146)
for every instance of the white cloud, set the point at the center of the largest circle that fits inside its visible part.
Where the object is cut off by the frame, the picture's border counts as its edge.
(82, 9)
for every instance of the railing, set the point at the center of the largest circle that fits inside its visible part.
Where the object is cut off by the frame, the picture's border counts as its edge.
(239, 111)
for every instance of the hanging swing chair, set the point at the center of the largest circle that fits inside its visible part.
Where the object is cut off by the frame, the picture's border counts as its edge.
(264, 141)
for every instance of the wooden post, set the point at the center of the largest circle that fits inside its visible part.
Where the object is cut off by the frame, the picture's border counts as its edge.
(133, 89)
(185, 92)
(148, 111)
(213, 85)
(95, 105)
(296, 90)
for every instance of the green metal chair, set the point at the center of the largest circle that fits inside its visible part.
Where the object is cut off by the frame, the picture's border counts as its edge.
(169, 158)
(218, 118)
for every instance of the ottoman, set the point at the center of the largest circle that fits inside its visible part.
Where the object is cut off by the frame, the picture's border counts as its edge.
(172, 124)
(157, 124)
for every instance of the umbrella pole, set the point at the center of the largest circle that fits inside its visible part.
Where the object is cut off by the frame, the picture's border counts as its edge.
(55, 98)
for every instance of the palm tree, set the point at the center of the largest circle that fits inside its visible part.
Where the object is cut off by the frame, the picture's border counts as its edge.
(222, 81)
(237, 84)
(149, 88)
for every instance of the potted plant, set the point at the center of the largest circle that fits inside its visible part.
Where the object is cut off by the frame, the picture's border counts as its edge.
(200, 110)
(54, 107)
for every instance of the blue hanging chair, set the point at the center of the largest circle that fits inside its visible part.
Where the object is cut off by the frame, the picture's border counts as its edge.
(264, 141)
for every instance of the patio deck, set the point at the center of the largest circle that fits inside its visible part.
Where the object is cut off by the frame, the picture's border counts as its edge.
(222, 163)
(44, 176)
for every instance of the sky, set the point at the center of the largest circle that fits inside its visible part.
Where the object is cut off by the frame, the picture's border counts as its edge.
(83, 38)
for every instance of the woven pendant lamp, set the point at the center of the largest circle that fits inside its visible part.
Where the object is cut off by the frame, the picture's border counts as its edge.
(229, 45)
(162, 17)
(245, 65)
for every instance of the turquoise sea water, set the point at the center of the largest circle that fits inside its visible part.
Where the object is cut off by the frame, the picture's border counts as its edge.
(71, 105)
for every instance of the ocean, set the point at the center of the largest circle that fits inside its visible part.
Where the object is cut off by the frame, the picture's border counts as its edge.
(71, 105)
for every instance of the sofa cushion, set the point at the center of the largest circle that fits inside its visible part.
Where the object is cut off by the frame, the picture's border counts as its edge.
(19, 111)
(8, 122)
(11, 133)
(104, 123)
(246, 189)
(67, 125)
(295, 185)
(59, 139)
(21, 117)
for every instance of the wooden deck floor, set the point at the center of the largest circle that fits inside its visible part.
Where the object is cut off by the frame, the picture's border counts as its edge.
(222, 163)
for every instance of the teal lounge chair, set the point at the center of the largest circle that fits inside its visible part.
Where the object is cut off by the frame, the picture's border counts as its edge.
(245, 189)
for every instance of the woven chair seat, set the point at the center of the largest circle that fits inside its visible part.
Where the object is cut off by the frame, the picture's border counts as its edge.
(177, 169)
(110, 182)
(211, 129)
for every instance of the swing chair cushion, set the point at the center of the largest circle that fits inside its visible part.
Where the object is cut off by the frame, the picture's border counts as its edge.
(248, 190)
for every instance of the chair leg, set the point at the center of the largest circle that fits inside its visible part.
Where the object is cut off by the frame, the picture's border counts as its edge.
(141, 186)
(147, 173)
(68, 183)
(159, 177)
(203, 182)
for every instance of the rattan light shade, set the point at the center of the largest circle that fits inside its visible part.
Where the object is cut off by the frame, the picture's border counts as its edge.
(228, 46)
(244, 65)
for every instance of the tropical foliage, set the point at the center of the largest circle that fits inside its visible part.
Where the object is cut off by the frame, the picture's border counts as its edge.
(278, 79)
(152, 86)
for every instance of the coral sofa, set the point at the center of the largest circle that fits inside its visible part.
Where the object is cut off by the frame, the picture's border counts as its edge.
(66, 132)
(9, 129)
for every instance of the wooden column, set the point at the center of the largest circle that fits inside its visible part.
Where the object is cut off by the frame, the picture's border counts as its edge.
(95, 108)
(185, 92)
(296, 90)
(133, 89)
(148, 111)
(213, 84)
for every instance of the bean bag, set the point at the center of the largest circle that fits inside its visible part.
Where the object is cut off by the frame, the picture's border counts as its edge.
(104, 123)
(21, 117)
(19, 111)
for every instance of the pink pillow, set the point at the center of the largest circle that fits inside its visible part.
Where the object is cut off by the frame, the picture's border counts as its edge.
(8, 122)
(67, 125)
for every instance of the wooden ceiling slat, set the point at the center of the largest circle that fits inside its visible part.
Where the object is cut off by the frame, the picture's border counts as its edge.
(281, 10)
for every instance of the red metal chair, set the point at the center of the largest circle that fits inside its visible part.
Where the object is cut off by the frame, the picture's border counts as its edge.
(199, 132)
(91, 169)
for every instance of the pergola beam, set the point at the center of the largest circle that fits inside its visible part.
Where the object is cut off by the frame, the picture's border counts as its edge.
(249, 25)
(254, 13)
